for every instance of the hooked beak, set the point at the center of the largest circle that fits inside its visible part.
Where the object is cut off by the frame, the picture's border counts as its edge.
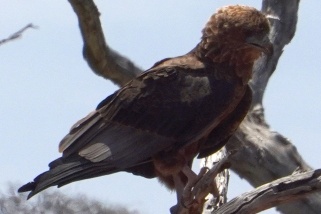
(264, 44)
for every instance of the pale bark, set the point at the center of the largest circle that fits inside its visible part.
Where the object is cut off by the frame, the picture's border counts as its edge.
(281, 191)
(221, 182)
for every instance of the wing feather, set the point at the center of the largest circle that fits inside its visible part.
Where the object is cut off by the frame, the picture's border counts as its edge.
(220, 136)
(162, 109)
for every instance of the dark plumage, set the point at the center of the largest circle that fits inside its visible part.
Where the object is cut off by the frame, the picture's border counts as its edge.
(181, 107)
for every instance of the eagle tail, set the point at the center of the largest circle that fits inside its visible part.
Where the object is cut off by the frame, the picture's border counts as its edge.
(64, 174)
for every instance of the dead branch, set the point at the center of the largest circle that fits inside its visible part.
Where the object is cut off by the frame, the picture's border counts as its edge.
(17, 34)
(214, 201)
(101, 59)
(280, 191)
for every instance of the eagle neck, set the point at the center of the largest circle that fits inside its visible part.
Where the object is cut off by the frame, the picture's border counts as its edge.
(236, 59)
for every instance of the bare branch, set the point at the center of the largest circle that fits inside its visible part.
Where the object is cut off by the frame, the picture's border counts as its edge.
(283, 18)
(213, 202)
(101, 59)
(281, 191)
(17, 34)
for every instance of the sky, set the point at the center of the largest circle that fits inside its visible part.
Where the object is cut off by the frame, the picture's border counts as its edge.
(46, 86)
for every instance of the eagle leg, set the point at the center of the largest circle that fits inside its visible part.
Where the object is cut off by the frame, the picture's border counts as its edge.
(179, 208)
(185, 197)
(191, 197)
(192, 179)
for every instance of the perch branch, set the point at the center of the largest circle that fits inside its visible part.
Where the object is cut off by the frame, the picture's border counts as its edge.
(284, 190)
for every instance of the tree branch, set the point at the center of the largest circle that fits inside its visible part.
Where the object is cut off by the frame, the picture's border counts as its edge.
(215, 201)
(101, 59)
(17, 34)
(280, 191)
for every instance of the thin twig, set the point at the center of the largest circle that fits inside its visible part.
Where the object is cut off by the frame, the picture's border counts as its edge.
(17, 34)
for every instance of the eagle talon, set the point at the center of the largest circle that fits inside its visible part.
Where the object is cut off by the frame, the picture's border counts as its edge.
(182, 208)
(192, 198)
(179, 209)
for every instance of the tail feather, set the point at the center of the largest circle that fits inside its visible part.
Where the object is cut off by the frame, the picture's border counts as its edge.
(65, 174)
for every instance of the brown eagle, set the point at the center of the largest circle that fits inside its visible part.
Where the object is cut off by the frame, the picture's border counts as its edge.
(180, 108)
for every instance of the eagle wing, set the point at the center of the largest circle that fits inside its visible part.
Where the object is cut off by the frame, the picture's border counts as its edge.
(221, 134)
(167, 107)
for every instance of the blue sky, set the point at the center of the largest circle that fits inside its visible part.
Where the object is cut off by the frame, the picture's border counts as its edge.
(46, 86)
